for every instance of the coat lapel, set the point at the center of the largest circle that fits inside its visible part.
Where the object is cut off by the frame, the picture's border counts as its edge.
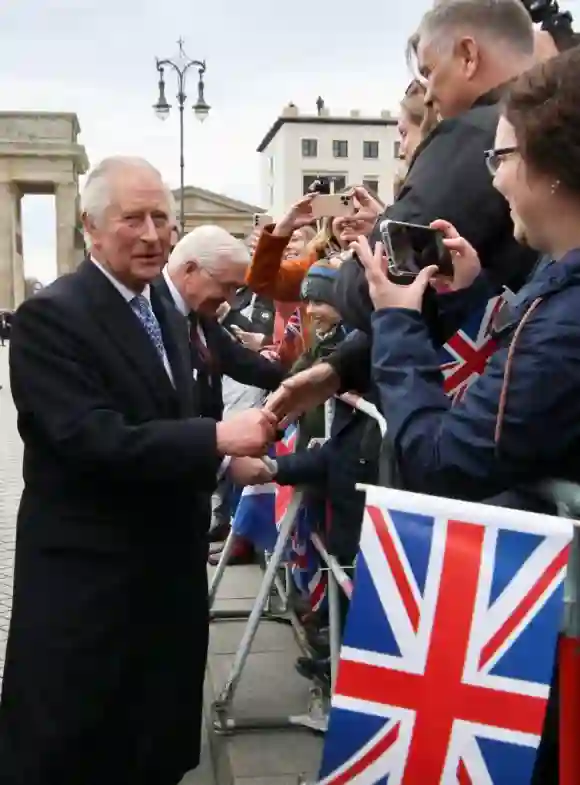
(175, 329)
(123, 327)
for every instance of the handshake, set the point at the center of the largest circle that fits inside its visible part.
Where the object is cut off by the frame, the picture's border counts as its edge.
(246, 437)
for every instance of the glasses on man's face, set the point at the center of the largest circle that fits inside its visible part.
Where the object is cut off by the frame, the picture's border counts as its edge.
(493, 158)
(228, 288)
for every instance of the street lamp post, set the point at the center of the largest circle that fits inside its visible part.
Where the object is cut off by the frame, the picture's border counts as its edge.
(181, 65)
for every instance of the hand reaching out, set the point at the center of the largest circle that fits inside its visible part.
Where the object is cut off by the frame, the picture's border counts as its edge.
(250, 432)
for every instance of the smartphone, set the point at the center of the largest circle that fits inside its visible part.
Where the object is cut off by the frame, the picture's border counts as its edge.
(333, 206)
(411, 247)
(261, 220)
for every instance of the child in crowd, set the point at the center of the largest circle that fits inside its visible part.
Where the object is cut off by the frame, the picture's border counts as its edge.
(351, 455)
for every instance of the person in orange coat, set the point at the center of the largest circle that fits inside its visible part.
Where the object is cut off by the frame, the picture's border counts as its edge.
(277, 272)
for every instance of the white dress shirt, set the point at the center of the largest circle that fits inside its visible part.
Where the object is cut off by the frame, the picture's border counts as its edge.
(128, 295)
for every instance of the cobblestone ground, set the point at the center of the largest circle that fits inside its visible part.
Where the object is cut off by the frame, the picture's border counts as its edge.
(10, 488)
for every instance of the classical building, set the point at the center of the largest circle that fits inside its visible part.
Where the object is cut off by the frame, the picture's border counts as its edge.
(39, 154)
(207, 207)
(352, 150)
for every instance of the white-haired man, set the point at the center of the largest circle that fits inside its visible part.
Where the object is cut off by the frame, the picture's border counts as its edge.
(204, 271)
(107, 644)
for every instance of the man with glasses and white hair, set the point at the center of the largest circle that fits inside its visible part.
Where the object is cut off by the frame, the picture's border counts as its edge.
(108, 639)
(204, 271)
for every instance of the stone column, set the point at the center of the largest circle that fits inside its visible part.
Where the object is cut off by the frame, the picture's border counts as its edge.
(66, 220)
(18, 259)
(7, 246)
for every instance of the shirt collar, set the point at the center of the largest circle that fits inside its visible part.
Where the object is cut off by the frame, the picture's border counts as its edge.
(180, 303)
(124, 291)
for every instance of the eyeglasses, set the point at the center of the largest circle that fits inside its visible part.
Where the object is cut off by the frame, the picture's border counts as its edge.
(228, 288)
(493, 158)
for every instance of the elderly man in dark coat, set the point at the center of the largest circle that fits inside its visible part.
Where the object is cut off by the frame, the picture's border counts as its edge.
(108, 637)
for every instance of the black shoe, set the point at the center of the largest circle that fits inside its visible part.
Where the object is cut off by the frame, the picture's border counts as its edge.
(219, 533)
(314, 670)
(319, 642)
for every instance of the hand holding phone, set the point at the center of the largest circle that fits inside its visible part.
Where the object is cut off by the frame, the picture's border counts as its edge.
(411, 248)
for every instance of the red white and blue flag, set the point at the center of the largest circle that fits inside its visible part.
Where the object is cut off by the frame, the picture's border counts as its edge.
(308, 574)
(449, 644)
(465, 355)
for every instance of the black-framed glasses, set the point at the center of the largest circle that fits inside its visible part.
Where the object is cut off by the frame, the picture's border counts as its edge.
(493, 158)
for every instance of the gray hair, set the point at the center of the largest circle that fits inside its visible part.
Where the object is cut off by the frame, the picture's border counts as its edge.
(503, 21)
(211, 247)
(96, 193)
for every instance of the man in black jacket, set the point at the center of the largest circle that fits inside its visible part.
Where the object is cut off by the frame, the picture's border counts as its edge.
(466, 49)
(205, 269)
(108, 637)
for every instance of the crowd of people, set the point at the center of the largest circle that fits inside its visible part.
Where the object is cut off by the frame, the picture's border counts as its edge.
(150, 383)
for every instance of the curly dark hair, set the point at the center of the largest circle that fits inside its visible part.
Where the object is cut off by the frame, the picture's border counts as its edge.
(543, 107)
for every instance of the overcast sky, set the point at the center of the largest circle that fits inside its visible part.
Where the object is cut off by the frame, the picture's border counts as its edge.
(97, 58)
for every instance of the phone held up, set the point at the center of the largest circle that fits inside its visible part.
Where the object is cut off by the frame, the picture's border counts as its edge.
(333, 205)
(411, 248)
(261, 220)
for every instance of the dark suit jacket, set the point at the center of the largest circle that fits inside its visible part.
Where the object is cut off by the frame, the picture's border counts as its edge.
(108, 639)
(228, 357)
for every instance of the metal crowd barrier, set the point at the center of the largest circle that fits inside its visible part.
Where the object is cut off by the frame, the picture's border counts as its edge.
(338, 580)
(565, 496)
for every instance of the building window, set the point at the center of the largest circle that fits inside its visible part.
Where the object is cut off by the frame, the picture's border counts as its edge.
(340, 148)
(397, 150)
(372, 185)
(370, 149)
(339, 181)
(309, 148)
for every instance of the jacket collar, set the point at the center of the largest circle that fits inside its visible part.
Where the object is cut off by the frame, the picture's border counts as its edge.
(549, 277)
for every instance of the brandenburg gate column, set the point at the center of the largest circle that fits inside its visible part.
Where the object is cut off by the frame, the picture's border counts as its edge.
(8, 250)
(66, 224)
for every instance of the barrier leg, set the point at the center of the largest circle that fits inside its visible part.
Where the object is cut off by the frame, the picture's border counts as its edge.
(221, 567)
(222, 722)
(334, 625)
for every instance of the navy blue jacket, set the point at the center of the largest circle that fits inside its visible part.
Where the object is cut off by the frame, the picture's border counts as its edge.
(451, 451)
(350, 456)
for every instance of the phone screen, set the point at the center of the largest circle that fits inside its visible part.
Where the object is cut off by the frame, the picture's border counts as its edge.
(411, 248)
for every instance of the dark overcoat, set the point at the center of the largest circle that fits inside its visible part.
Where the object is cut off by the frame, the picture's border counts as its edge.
(108, 638)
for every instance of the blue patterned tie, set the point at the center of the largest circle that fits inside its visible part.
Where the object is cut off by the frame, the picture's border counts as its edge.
(142, 308)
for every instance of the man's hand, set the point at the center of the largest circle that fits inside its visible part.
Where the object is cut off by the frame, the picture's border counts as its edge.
(253, 341)
(303, 392)
(299, 215)
(249, 471)
(248, 433)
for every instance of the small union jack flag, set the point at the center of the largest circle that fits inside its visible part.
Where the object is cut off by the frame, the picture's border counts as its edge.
(465, 355)
(309, 577)
(449, 644)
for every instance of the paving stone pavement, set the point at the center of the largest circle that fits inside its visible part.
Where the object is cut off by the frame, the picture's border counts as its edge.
(10, 489)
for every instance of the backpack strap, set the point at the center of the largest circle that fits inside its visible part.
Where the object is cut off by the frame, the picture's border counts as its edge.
(507, 371)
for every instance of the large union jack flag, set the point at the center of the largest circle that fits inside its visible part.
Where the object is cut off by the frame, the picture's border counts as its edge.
(449, 644)
(465, 355)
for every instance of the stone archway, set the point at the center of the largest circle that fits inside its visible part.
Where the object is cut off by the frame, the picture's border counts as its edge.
(39, 154)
